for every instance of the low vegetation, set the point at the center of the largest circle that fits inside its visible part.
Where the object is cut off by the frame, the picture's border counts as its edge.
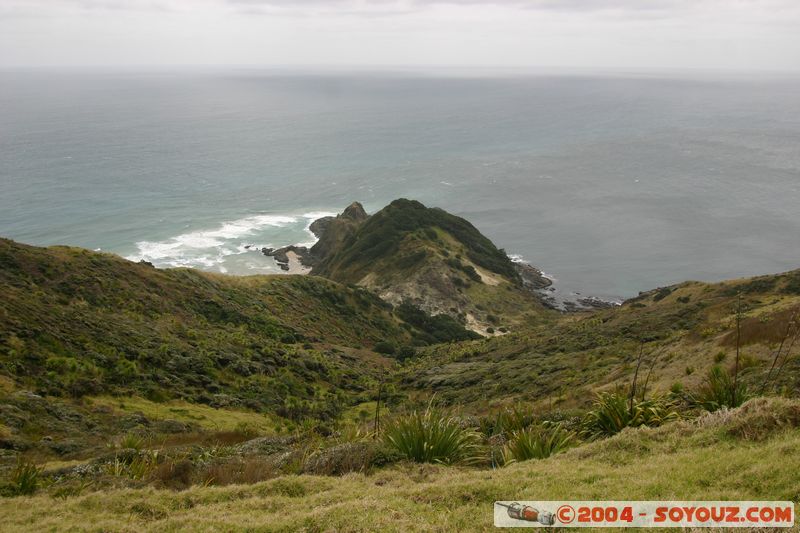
(150, 399)
(644, 463)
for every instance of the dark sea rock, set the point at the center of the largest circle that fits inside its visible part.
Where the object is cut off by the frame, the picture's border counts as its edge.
(532, 277)
(320, 226)
(281, 255)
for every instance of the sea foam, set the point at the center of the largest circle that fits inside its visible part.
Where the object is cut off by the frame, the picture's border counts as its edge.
(211, 249)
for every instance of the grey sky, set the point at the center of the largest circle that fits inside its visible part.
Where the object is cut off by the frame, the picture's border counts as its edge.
(696, 34)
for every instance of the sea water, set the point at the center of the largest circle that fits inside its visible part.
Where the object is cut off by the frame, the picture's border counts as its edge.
(611, 183)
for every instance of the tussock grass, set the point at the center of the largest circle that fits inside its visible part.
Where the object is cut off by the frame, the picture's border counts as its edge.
(614, 411)
(718, 391)
(537, 443)
(433, 436)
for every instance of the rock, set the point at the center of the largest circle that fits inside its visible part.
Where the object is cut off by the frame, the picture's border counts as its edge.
(355, 212)
(281, 255)
(331, 232)
(320, 226)
(532, 277)
(593, 302)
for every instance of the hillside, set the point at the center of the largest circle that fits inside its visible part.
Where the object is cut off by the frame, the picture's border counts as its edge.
(681, 331)
(154, 399)
(75, 324)
(407, 252)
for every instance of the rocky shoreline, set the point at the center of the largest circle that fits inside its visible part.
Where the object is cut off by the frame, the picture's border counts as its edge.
(297, 259)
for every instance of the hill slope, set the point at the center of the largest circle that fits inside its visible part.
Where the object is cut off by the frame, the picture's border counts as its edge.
(407, 252)
(75, 323)
(681, 331)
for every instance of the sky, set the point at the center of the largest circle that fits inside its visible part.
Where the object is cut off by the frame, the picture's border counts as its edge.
(739, 35)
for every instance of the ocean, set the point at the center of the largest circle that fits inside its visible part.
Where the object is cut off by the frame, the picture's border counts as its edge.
(612, 184)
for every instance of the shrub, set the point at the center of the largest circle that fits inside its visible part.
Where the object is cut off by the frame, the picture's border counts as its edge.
(354, 456)
(717, 391)
(537, 443)
(406, 352)
(433, 437)
(385, 347)
(470, 271)
(612, 412)
(662, 293)
(174, 474)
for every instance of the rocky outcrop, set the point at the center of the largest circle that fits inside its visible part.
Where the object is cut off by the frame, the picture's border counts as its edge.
(332, 232)
(532, 278)
(436, 261)
(281, 255)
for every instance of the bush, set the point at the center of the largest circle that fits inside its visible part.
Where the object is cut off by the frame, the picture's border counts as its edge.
(439, 328)
(385, 347)
(433, 437)
(537, 443)
(662, 293)
(717, 391)
(612, 413)
(406, 352)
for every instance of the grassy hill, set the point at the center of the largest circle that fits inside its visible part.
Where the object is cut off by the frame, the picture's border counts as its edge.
(681, 331)
(77, 324)
(407, 252)
(146, 399)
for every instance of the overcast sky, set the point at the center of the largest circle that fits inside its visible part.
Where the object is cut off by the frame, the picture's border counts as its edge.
(694, 34)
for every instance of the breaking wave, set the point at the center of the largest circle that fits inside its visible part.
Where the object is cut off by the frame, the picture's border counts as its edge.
(230, 246)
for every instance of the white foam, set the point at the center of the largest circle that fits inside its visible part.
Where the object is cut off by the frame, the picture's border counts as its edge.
(209, 248)
(314, 215)
(187, 249)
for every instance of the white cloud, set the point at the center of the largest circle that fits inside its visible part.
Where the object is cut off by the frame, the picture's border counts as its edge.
(736, 34)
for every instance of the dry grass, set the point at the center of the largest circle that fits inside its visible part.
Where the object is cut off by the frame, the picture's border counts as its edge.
(705, 459)
(764, 328)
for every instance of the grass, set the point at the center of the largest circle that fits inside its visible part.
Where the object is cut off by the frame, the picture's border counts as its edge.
(207, 418)
(707, 459)
(562, 364)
